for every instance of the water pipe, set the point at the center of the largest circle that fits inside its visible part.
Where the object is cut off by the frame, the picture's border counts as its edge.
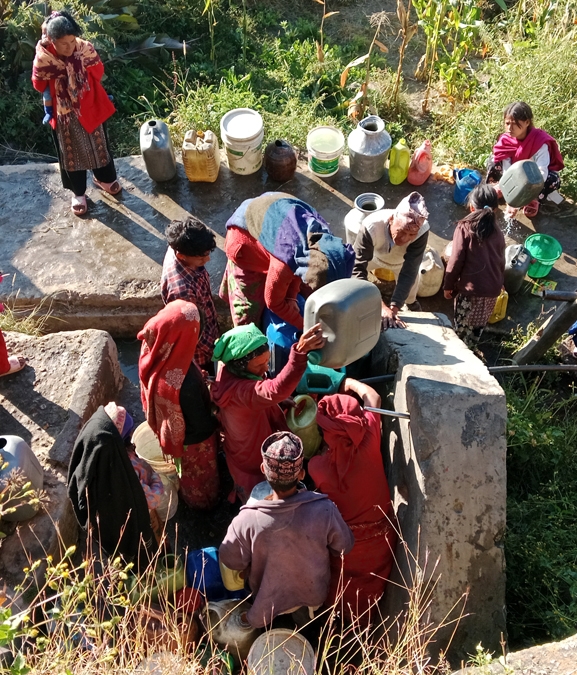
(388, 413)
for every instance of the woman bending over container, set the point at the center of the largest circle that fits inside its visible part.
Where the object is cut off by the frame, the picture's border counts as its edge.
(476, 269)
(522, 140)
(350, 471)
(67, 70)
(248, 402)
(277, 248)
(176, 400)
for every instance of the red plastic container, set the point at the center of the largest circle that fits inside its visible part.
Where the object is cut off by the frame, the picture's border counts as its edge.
(421, 164)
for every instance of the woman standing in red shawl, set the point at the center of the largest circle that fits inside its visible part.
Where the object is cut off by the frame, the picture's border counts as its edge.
(351, 473)
(176, 400)
(67, 70)
(522, 140)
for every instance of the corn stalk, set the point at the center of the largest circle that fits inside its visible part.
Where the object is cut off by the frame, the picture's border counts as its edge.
(406, 32)
(321, 41)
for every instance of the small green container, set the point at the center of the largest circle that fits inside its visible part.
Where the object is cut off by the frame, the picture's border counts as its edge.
(546, 250)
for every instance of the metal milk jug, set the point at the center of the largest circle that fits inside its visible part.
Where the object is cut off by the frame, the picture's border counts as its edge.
(369, 146)
(15, 453)
(225, 622)
(521, 183)
(517, 262)
(349, 311)
(157, 151)
(368, 202)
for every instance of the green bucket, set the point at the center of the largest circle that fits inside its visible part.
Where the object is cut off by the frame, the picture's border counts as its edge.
(546, 250)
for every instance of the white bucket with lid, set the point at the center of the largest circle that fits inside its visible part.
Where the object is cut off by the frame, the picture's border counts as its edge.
(281, 652)
(325, 146)
(242, 133)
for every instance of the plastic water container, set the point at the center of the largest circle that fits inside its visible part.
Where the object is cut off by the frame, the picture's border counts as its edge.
(349, 311)
(203, 573)
(546, 250)
(500, 311)
(517, 263)
(148, 448)
(521, 183)
(16, 454)
(302, 421)
(157, 151)
(281, 652)
(200, 156)
(368, 202)
(465, 181)
(242, 133)
(320, 380)
(431, 273)
(421, 164)
(399, 161)
(325, 146)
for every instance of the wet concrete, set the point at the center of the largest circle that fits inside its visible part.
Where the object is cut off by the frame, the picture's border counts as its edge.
(103, 270)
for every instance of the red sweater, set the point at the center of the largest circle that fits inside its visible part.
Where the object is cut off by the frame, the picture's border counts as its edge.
(281, 285)
(249, 414)
(95, 106)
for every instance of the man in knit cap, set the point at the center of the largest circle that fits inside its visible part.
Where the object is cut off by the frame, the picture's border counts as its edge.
(282, 543)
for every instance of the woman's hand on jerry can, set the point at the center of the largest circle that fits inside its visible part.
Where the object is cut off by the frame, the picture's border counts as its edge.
(311, 339)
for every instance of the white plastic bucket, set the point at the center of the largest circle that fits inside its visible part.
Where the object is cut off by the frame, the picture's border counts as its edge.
(325, 146)
(148, 448)
(281, 652)
(242, 133)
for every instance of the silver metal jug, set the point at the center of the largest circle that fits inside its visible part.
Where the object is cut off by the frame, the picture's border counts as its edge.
(228, 628)
(369, 146)
(157, 151)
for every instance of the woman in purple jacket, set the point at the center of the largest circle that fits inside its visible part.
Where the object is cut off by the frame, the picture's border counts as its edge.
(476, 268)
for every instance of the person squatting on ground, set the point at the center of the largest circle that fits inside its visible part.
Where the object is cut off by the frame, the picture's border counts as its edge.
(350, 471)
(476, 269)
(67, 71)
(176, 400)
(395, 240)
(522, 140)
(248, 402)
(184, 276)
(277, 248)
(283, 543)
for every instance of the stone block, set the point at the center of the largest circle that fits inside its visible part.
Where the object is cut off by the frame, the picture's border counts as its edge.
(447, 471)
(68, 375)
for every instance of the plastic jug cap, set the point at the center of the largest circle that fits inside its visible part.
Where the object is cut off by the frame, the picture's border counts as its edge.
(315, 357)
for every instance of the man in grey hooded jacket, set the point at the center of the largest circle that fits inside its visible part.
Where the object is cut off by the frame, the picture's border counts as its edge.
(282, 543)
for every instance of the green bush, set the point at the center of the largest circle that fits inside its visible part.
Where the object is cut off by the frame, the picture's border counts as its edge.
(542, 73)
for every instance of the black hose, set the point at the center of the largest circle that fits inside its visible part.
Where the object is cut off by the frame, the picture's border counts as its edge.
(529, 368)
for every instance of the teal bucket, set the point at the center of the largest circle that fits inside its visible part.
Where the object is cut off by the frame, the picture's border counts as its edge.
(545, 250)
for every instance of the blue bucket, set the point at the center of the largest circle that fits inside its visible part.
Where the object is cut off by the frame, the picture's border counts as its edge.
(465, 181)
(203, 573)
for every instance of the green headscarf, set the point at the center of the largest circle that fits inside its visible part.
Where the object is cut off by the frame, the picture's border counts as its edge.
(238, 342)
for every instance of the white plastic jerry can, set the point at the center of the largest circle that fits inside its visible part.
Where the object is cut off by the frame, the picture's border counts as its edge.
(16, 454)
(157, 151)
(431, 273)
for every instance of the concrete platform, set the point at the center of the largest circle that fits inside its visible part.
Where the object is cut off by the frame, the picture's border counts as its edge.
(103, 270)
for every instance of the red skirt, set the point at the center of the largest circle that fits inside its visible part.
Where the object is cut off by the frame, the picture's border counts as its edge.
(4, 363)
(199, 482)
(359, 580)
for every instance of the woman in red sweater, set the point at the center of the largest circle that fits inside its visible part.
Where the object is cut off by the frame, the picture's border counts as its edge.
(67, 70)
(476, 269)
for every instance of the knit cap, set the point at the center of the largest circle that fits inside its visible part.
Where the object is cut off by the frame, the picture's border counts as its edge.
(282, 456)
(121, 418)
(238, 342)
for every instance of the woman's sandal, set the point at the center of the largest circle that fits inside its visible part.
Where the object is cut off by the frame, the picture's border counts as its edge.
(112, 188)
(532, 209)
(16, 364)
(79, 205)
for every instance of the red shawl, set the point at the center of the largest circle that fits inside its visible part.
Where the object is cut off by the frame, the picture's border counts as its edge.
(168, 343)
(344, 426)
(511, 148)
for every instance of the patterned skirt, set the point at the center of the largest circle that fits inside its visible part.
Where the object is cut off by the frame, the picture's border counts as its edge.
(244, 292)
(199, 482)
(471, 316)
(80, 150)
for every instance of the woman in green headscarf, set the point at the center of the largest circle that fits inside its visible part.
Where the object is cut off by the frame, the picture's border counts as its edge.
(248, 402)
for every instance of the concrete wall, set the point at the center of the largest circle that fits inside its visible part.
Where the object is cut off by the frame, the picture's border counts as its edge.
(447, 472)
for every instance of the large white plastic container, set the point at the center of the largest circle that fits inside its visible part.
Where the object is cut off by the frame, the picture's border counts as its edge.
(281, 652)
(16, 453)
(242, 133)
(521, 183)
(200, 156)
(157, 151)
(147, 447)
(349, 311)
(325, 146)
(431, 273)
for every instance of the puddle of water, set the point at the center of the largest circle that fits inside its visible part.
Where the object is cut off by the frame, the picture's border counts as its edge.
(128, 353)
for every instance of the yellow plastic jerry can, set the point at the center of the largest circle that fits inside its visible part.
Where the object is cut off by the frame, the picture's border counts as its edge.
(500, 311)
